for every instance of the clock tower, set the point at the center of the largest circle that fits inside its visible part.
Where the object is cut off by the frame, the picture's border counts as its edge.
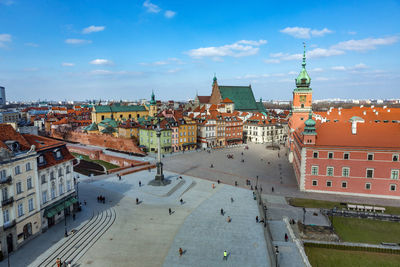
(302, 100)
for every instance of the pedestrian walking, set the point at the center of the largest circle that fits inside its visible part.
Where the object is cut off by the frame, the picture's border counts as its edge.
(225, 255)
(119, 176)
(272, 189)
(73, 216)
(229, 219)
(231, 199)
(251, 187)
(256, 219)
(222, 211)
(181, 201)
(213, 186)
(218, 181)
(260, 189)
(137, 201)
(180, 252)
(169, 211)
(84, 202)
(286, 237)
(140, 183)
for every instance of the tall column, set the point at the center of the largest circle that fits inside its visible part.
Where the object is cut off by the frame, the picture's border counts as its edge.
(159, 176)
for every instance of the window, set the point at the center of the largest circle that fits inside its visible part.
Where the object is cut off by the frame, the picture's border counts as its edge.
(41, 159)
(368, 186)
(345, 172)
(29, 183)
(20, 210)
(19, 188)
(315, 155)
(6, 216)
(392, 187)
(329, 171)
(30, 204)
(43, 179)
(314, 182)
(395, 157)
(53, 192)
(17, 170)
(102, 117)
(314, 170)
(370, 173)
(329, 183)
(3, 174)
(68, 185)
(28, 166)
(68, 170)
(344, 184)
(394, 175)
(61, 189)
(52, 175)
(44, 197)
(60, 172)
(370, 157)
(330, 155)
(346, 156)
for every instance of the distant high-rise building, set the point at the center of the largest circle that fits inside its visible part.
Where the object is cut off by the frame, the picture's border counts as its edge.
(2, 96)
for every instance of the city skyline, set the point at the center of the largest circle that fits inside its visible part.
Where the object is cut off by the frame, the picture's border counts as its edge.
(81, 50)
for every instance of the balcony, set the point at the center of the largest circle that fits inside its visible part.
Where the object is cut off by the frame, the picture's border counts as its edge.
(8, 225)
(6, 180)
(7, 201)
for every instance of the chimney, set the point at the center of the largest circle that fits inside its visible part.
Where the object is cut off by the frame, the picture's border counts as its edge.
(361, 106)
(376, 113)
(384, 107)
(340, 113)
(365, 113)
(354, 127)
(388, 110)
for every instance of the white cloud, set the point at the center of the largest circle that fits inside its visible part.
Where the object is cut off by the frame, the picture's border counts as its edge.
(320, 32)
(321, 79)
(239, 49)
(357, 67)
(272, 60)
(93, 28)
(340, 68)
(352, 33)
(5, 38)
(174, 70)
(317, 70)
(151, 8)
(304, 33)
(32, 44)
(68, 64)
(365, 44)
(292, 72)
(169, 14)
(77, 41)
(172, 60)
(101, 61)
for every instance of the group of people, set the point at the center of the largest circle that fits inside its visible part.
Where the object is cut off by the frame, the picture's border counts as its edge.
(101, 199)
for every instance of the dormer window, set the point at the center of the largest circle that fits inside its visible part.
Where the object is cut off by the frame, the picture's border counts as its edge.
(41, 159)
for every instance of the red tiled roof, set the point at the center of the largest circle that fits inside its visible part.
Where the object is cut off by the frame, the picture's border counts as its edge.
(7, 133)
(227, 100)
(204, 99)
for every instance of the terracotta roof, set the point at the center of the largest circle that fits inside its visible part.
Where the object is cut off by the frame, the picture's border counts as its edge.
(227, 100)
(42, 143)
(204, 99)
(7, 133)
(367, 113)
(213, 107)
(369, 135)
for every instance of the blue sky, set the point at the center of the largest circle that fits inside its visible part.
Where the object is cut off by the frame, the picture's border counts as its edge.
(77, 49)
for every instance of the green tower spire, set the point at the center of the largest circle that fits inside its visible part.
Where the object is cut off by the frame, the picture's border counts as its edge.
(153, 100)
(309, 125)
(303, 80)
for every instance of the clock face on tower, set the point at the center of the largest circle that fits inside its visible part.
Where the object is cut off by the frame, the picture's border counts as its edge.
(302, 99)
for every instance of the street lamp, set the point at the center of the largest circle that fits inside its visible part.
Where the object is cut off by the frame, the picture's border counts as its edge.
(65, 220)
(257, 182)
(304, 216)
(276, 255)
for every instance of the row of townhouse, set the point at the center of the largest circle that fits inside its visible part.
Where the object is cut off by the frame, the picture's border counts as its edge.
(37, 186)
(217, 129)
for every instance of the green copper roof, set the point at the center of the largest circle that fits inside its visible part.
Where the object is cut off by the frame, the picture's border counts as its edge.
(108, 123)
(153, 100)
(242, 96)
(91, 127)
(118, 108)
(310, 125)
(108, 130)
(303, 80)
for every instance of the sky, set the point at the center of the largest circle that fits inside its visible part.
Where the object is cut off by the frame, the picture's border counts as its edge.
(122, 50)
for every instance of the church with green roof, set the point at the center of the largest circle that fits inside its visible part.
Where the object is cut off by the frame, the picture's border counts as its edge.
(241, 96)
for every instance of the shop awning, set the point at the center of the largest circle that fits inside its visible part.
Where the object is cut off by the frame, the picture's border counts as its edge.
(59, 206)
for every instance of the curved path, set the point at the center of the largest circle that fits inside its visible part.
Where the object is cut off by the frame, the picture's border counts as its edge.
(78, 243)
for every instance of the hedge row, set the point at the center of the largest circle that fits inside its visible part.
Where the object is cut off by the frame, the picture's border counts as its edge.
(354, 248)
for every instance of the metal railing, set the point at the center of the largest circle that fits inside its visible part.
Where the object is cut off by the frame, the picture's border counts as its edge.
(7, 201)
(8, 225)
(6, 180)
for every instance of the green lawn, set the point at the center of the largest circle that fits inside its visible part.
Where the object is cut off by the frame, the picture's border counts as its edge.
(366, 230)
(106, 164)
(324, 257)
(312, 203)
